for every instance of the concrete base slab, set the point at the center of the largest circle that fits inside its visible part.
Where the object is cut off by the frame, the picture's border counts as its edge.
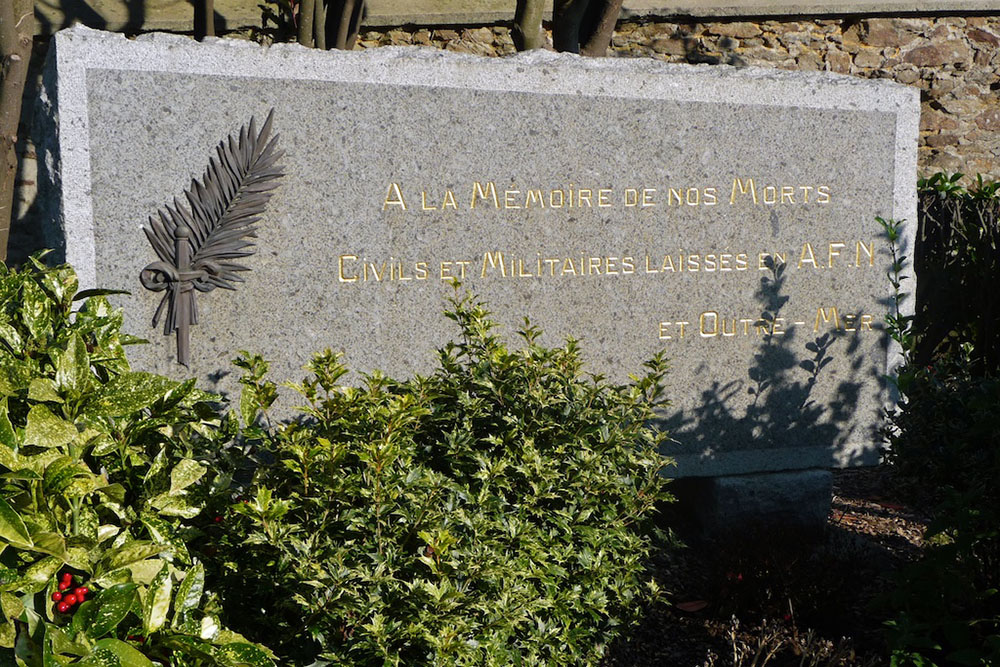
(795, 502)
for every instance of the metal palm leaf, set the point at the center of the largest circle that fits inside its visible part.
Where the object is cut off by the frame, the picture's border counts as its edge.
(198, 246)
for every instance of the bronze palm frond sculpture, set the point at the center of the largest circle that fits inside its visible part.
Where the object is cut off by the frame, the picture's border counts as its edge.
(198, 249)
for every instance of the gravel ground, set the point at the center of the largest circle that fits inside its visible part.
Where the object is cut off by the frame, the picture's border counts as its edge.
(780, 600)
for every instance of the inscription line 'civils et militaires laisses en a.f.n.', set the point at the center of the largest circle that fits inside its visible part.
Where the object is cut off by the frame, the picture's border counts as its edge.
(354, 268)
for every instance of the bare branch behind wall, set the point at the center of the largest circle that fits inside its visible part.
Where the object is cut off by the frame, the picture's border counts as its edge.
(16, 28)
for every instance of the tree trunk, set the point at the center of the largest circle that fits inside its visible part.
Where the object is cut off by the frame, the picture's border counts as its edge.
(319, 24)
(204, 19)
(527, 31)
(596, 37)
(17, 24)
(584, 26)
(306, 10)
(567, 20)
(344, 22)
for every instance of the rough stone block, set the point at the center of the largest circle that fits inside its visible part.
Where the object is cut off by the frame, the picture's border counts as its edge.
(725, 215)
(758, 504)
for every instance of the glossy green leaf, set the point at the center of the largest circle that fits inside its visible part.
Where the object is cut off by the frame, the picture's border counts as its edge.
(39, 573)
(109, 609)
(45, 429)
(15, 374)
(8, 633)
(129, 393)
(130, 553)
(44, 389)
(73, 366)
(190, 591)
(115, 653)
(34, 311)
(162, 531)
(10, 460)
(83, 618)
(8, 438)
(11, 605)
(9, 335)
(50, 543)
(242, 655)
(102, 445)
(157, 603)
(60, 644)
(60, 473)
(169, 505)
(184, 474)
(12, 528)
(61, 283)
(144, 571)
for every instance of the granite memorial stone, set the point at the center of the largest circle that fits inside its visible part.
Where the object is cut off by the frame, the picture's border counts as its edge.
(727, 215)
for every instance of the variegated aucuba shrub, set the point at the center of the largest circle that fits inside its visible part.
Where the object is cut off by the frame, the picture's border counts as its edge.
(497, 512)
(103, 482)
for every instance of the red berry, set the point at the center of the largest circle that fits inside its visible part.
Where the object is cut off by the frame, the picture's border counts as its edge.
(70, 600)
(63, 585)
(57, 596)
(67, 576)
(80, 592)
(63, 607)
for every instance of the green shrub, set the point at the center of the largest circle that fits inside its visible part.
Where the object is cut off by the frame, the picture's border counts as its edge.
(944, 443)
(957, 261)
(103, 473)
(496, 512)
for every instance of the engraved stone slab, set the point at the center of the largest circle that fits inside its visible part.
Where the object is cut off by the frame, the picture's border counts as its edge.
(726, 215)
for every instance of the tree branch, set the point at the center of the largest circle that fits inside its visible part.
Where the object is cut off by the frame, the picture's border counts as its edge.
(16, 28)
(527, 31)
(596, 38)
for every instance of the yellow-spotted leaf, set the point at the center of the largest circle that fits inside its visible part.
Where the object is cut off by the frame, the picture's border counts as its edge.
(184, 474)
(15, 374)
(157, 603)
(129, 393)
(107, 610)
(189, 592)
(169, 505)
(73, 366)
(45, 429)
(12, 528)
(8, 437)
(43, 389)
(38, 574)
(8, 633)
(242, 655)
(130, 553)
(11, 605)
(115, 653)
(144, 571)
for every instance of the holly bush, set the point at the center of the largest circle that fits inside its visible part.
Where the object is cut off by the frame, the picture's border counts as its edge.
(103, 481)
(495, 512)
(942, 441)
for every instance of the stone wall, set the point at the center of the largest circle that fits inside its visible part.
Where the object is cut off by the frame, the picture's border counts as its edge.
(954, 60)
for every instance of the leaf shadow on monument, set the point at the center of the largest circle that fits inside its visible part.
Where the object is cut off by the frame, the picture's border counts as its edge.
(777, 406)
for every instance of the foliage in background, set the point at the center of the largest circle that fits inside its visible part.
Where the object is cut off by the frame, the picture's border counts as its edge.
(944, 439)
(103, 479)
(957, 262)
(495, 513)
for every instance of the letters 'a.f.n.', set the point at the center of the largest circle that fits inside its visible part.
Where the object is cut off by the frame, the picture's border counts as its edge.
(198, 248)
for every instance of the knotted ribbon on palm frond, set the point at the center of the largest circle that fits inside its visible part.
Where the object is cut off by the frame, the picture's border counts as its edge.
(197, 247)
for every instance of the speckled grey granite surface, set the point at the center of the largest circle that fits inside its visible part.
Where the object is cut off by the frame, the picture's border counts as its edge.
(613, 202)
